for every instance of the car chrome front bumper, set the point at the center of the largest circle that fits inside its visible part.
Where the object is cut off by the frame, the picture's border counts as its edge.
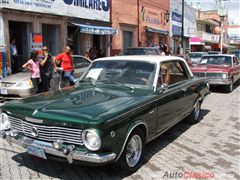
(219, 81)
(25, 142)
(15, 92)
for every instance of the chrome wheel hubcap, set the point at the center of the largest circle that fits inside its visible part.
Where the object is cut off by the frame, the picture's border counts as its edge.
(134, 150)
(197, 111)
(231, 86)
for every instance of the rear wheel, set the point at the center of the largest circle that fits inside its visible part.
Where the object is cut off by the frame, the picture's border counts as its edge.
(131, 158)
(194, 117)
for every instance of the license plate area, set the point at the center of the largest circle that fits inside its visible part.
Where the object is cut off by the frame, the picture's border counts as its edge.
(35, 151)
(4, 91)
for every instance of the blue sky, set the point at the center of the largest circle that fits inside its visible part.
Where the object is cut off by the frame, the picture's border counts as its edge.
(233, 7)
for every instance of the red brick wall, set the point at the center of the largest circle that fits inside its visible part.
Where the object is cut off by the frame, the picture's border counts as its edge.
(125, 17)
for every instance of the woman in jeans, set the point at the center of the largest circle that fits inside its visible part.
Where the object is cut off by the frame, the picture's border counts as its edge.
(33, 66)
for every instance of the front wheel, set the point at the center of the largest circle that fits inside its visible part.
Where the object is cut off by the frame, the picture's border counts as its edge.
(131, 158)
(194, 117)
(229, 88)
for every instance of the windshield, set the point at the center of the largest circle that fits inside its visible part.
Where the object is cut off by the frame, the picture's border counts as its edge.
(217, 60)
(195, 55)
(135, 74)
(139, 51)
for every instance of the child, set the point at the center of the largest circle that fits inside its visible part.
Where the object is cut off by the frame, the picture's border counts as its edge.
(33, 66)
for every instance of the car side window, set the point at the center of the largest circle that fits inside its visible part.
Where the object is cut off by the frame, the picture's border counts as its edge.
(172, 72)
(80, 62)
(235, 61)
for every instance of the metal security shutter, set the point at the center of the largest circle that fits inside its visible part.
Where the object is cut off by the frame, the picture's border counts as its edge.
(127, 39)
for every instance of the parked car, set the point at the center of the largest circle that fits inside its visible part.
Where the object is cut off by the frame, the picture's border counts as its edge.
(196, 57)
(122, 103)
(19, 85)
(221, 69)
(214, 52)
(140, 51)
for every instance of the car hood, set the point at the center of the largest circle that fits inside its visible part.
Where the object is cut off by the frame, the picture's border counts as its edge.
(211, 68)
(79, 105)
(18, 77)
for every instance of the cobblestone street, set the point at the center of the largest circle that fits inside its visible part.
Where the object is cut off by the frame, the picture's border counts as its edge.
(212, 146)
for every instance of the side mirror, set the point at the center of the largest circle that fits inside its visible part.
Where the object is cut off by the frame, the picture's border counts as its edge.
(163, 87)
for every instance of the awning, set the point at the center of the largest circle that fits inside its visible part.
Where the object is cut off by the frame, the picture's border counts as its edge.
(196, 41)
(99, 30)
(160, 31)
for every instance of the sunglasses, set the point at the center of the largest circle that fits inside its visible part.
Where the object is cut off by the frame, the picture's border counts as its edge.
(44, 49)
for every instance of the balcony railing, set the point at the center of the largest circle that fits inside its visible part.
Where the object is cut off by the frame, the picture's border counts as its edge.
(208, 37)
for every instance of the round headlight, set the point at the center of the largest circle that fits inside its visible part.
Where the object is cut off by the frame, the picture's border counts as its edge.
(91, 140)
(4, 122)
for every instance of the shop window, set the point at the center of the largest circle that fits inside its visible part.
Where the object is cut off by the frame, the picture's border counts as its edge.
(208, 28)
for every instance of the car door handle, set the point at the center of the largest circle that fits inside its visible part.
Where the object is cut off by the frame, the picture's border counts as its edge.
(151, 112)
(184, 89)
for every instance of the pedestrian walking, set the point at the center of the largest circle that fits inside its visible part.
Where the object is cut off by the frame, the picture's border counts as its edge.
(46, 69)
(66, 63)
(33, 66)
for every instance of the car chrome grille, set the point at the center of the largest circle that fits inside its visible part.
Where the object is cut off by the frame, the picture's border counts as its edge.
(199, 74)
(214, 75)
(48, 133)
(7, 84)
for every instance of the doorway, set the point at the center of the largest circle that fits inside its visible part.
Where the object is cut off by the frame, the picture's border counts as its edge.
(21, 32)
(100, 45)
(51, 38)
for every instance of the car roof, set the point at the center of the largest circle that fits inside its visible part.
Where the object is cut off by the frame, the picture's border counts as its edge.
(141, 48)
(227, 55)
(197, 52)
(152, 58)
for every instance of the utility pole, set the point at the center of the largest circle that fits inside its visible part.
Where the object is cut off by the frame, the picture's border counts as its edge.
(182, 36)
(222, 14)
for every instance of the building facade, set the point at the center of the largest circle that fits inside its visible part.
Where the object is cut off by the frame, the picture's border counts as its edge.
(140, 23)
(190, 26)
(82, 24)
(176, 26)
(234, 36)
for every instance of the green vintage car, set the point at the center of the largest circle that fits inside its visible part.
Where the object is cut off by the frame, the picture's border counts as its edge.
(121, 104)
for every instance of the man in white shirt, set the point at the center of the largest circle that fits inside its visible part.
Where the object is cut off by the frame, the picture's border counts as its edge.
(14, 56)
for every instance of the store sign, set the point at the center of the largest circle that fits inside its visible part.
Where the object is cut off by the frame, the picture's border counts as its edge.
(87, 9)
(150, 17)
(37, 42)
(176, 30)
(176, 17)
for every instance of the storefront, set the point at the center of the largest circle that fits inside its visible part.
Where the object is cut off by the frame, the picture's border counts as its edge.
(154, 28)
(22, 26)
(85, 36)
(196, 44)
(50, 19)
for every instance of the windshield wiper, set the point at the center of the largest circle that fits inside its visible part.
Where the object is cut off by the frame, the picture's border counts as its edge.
(120, 84)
